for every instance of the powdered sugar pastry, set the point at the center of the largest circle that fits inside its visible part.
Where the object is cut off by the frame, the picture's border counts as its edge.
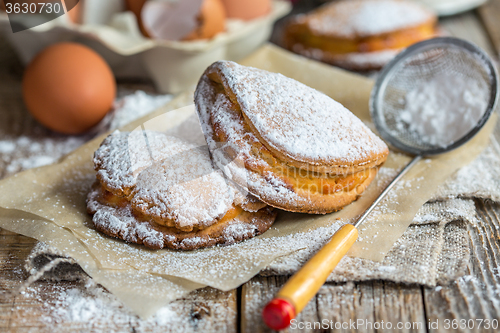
(168, 179)
(291, 146)
(362, 18)
(300, 121)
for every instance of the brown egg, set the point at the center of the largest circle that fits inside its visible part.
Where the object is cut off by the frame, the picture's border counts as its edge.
(212, 18)
(247, 9)
(135, 6)
(68, 88)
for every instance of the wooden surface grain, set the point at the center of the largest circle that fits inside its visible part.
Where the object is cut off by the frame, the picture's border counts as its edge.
(40, 307)
(472, 300)
(475, 296)
(364, 303)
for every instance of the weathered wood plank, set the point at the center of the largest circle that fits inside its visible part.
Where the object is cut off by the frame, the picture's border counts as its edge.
(400, 305)
(345, 304)
(343, 307)
(475, 296)
(13, 248)
(490, 14)
(255, 295)
(71, 306)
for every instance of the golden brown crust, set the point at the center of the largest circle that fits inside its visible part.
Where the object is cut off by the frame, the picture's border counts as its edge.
(167, 179)
(312, 202)
(217, 79)
(271, 174)
(356, 61)
(114, 217)
(162, 191)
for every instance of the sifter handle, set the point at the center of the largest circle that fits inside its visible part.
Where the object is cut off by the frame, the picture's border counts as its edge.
(302, 286)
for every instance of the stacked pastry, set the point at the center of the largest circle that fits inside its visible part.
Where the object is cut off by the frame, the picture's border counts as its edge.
(359, 34)
(287, 145)
(291, 146)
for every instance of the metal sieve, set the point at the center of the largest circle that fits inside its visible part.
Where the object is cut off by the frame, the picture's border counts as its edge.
(417, 72)
(413, 68)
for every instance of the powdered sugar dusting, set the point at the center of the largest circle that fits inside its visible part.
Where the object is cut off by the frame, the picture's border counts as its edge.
(123, 156)
(222, 267)
(168, 178)
(185, 187)
(303, 123)
(362, 18)
(26, 152)
(233, 167)
(90, 308)
(352, 60)
(31, 152)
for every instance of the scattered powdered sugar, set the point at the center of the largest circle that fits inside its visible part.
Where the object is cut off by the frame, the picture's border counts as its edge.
(302, 123)
(362, 18)
(91, 306)
(386, 268)
(26, 152)
(77, 305)
(211, 265)
(136, 105)
(7, 147)
(478, 179)
(351, 60)
(443, 109)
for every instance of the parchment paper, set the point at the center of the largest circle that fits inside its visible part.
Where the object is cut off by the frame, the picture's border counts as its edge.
(48, 204)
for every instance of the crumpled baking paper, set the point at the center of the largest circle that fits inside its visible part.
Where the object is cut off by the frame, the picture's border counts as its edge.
(48, 203)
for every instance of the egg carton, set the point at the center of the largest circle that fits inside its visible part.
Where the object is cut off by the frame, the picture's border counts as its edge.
(173, 66)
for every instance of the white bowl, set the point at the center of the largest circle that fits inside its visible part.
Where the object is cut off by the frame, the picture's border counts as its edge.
(452, 7)
(173, 66)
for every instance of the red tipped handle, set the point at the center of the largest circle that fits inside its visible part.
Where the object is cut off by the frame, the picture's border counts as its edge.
(278, 314)
(301, 287)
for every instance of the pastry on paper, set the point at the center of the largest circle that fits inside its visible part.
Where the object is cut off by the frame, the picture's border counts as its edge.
(289, 145)
(164, 192)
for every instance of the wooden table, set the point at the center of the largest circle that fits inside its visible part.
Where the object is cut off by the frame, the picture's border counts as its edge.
(476, 296)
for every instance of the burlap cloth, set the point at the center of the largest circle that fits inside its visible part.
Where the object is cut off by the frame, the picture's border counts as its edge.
(433, 250)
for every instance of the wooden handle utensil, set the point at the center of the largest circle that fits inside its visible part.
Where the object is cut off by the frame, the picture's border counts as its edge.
(295, 294)
(302, 286)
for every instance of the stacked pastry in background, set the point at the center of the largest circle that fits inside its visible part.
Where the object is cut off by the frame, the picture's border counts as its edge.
(359, 34)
